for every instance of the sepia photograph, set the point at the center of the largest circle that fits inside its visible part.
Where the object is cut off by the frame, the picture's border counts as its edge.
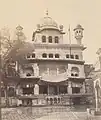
(50, 60)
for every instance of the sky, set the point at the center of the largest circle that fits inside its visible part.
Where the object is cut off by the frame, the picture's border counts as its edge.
(28, 13)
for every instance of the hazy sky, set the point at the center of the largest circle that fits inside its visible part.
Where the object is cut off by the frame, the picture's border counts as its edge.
(27, 13)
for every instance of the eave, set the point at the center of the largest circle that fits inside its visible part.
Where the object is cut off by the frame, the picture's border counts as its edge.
(79, 62)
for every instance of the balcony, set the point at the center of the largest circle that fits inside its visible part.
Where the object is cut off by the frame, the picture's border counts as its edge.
(45, 96)
(23, 75)
(31, 96)
(56, 59)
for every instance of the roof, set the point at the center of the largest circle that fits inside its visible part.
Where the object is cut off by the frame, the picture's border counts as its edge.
(55, 78)
(79, 27)
(48, 22)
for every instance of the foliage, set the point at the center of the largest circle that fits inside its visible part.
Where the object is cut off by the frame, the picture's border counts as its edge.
(15, 49)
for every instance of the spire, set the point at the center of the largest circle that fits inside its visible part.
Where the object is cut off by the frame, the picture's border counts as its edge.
(78, 34)
(69, 34)
(69, 31)
(47, 12)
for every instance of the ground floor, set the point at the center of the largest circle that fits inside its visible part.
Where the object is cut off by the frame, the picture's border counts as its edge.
(31, 92)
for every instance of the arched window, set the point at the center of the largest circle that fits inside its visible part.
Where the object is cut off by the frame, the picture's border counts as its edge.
(43, 39)
(28, 74)
(67, 56)
(56, 39)
(50, 39)
(33, 55)
(11, 92)
(72, 56)
(79, 31)
(75, 71)
(56, 55)
(76, 57)
(29, 71)
(44, 55)
(76, 31)
(72, 74)
(28, 56)
(50, 55)
(76, 74)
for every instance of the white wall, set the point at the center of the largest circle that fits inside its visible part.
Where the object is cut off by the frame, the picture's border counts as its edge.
(47, 33)
(81, 69)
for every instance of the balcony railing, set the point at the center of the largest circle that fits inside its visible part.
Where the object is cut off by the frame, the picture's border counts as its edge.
(53, 96)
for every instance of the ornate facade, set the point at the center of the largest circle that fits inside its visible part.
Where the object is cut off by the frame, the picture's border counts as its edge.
(54, 71)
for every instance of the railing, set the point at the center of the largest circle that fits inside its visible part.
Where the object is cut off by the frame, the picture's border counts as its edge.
(53, 96)
(32, 96)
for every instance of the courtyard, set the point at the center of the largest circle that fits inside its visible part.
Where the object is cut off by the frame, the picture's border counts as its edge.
(47, 113)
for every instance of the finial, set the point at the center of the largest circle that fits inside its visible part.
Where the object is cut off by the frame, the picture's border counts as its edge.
(19, 27)
(47, 12)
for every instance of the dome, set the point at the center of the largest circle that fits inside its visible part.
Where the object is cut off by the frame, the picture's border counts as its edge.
(48, 22)
(78, 27)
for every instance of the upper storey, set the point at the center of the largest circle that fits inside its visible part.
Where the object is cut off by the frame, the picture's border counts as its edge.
(48, 31)
(48, 40)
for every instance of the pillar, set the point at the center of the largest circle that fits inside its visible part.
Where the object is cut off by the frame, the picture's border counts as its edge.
(69, 87)
(36, 69)
(83, 87)
(19, 102)
(57, 71)
(58, 90)
(19, 91)
(96, 99)
(48, 90)
(6, 96)
(36, 89)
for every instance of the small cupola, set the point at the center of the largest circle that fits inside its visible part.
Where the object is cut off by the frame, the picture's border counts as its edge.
(78, 34)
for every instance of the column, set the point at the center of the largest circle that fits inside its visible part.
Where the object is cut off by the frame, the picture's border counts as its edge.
(57, 89)
(19, 102)
(57, 71)
(18, 90)
(36, 89)
(48, 89)
(96, 99)
(36, 69)
(69, 87)
(66, 70)
(83, 87)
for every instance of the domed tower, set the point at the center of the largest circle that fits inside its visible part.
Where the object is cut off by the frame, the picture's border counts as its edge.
(48, 31)
(78, 34)
(19, 33)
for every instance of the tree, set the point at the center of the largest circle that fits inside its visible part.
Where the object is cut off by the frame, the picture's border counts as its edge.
(16, 48)
(13, 49)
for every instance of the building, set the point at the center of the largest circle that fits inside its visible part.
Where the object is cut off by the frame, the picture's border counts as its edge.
(97, 81)
(54, 72)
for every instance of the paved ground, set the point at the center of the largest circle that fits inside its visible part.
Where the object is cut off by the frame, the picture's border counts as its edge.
(46, 113)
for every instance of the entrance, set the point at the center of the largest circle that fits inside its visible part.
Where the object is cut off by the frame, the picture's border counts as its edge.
(28, 91)
(75, 90)
(52, 90)
(27, 102)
